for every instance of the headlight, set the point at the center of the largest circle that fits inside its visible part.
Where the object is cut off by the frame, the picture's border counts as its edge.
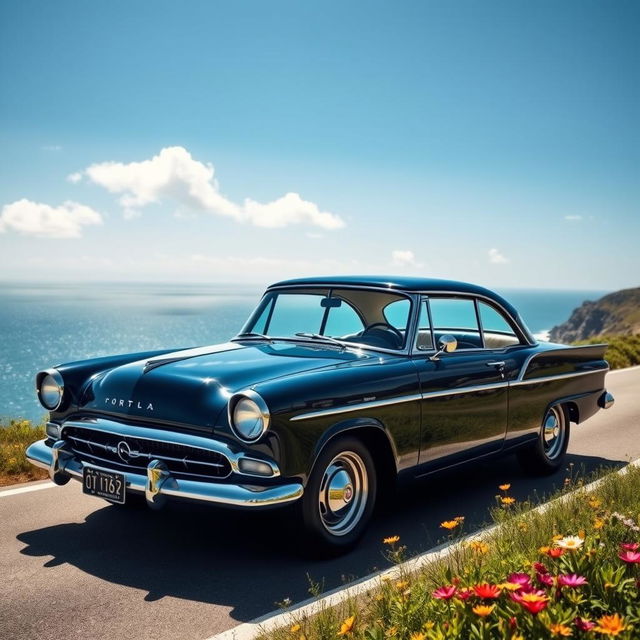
(50, 389)
(248, 416)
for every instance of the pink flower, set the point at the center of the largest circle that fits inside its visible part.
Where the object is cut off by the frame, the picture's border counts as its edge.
(533, 594)
(631, 557)
(545, 579)
(629, 546)
(540, 568)
(463, 594)
(445, 593)
(571, 580)
(583, 624)
(522, 579)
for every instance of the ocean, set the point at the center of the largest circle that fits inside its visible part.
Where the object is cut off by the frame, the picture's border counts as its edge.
(43, 325)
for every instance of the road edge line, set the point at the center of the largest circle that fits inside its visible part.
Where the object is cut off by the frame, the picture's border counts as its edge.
(32, 487)
(277, 619)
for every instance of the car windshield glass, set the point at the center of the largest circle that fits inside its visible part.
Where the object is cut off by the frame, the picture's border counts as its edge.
(358, 316)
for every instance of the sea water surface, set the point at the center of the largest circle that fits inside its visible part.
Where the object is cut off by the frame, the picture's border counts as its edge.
(46, 324)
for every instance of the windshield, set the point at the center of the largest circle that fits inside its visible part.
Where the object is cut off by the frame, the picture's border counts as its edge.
(371, 318)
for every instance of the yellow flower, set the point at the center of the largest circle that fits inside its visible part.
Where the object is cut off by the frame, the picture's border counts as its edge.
(543, 549)
(391, 540)
(594, 503)
(483, 610)
(610, 625)
(428, 625)
(402, 584)
(347, 626)
(510, 586)
(570, 542)
(517, 637)
(504, 487)
(523, 526)
(557, 537)
(507, 500)
(391, 631)
(449, 524)
(295, 628)
(598, 523)
(478, 546)
(560, 630)
(418, 635)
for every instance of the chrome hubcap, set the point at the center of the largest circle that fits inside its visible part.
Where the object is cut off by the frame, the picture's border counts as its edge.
(343, 493)
(553, 433)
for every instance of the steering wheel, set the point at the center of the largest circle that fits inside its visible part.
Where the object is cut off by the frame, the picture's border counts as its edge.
(385, 326)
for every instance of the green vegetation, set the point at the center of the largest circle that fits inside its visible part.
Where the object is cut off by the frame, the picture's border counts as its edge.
(623, 350)
(572, 570)
(15, 437)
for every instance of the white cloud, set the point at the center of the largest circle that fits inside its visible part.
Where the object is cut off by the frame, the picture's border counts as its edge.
(74, 177)
(495, 257)
(173, 174)
(42, 220)
(573, 218)
(404, 258)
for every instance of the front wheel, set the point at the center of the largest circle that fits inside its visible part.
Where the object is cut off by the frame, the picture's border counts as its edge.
(340, 496)
(547, 454)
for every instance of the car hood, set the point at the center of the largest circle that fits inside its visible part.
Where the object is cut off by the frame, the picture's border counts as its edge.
(193, 386)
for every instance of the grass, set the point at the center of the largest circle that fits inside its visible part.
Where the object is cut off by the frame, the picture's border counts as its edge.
(510, 585)
(623, 350)
(15, 437)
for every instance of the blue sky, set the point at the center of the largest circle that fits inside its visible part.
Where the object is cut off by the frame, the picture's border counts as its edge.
(496, 142)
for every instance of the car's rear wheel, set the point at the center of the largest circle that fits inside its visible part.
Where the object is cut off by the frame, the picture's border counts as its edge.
(340, 495)
(547, 454)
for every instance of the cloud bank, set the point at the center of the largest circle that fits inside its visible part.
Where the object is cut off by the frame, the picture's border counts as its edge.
(404, 258)
(495, 257)
(42, 220)
(174, 175)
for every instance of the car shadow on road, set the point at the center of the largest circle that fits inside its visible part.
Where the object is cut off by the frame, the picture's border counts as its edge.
(249, 562)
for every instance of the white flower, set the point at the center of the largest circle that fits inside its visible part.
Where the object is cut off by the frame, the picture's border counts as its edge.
(570, 542)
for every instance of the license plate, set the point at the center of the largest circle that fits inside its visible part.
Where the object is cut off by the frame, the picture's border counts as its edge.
(104, 484)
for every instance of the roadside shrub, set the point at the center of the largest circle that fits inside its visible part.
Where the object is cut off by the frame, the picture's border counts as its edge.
(623, 350)
(15, 437)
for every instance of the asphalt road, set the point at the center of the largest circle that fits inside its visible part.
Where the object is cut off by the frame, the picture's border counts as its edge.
(75, 567)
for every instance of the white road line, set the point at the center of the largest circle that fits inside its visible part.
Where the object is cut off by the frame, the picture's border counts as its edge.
(32, 487)
(623, 370)
(278, 619)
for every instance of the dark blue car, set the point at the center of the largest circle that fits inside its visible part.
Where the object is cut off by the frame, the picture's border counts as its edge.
(334, 387)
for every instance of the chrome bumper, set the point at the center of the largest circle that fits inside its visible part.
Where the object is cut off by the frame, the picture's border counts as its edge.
(158, 484)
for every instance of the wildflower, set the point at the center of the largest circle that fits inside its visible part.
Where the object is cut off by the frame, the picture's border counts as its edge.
(594, 503)
(571, 580)
(428, 625)
(523, 526)
(629, 546)
(391, 540)
(510, 586)
(560, 630)
(463, 594)
(557, 537)
(483, 610)
(522, 579)
(545, 579)
(402, 584)
(347, 626)
(449, 524)
(533, 602)
(418, 635)
(479, 547)
(487, 590)
(582, 624)
(598, 523)
(507, 500)
(555, 552)
(544, 549)
(610, 625)
(504, 487)
(295, 628)
(630, 557)
(570, 542)
(444, 593)
(517, 636)
(391, 631)
(539, 567)
(513, 623)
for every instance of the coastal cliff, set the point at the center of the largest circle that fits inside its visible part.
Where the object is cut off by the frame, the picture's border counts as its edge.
(615, 314)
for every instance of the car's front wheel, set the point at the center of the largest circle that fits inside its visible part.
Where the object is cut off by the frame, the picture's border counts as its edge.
(547, 454)
(340, 495)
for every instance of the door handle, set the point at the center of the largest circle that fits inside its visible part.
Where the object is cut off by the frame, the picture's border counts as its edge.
(498, 363)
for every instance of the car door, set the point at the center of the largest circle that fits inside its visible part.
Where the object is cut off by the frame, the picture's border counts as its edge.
(464, 393)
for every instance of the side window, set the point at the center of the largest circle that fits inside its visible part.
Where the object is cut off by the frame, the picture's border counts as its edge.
(457, 317)
(497, 331)
(424, 341)
(397, 313)
(343, 321)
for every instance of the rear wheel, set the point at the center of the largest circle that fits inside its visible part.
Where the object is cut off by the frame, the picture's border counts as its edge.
(547, 454)
(340, 496)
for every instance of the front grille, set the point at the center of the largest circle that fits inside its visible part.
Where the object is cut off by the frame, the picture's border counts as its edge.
(134, 454)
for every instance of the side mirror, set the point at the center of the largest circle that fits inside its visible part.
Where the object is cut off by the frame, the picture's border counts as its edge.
(446, 344)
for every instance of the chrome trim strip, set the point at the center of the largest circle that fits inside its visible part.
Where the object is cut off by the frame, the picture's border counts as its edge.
(560, 376)
(523, 369)
(245, 496)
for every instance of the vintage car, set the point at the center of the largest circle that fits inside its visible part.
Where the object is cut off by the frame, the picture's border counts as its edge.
(333, 388)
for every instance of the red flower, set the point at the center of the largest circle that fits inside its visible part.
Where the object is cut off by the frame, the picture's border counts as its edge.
(540, 568)
(463, 594)
(533, 602)
(487, 590)
(583, 624)
(445, 593)
(522, 579)
(555, 552)
(513, 623)
(535, 607)
(631, 557)
(571, 580)
(629, 546)
(545, 578)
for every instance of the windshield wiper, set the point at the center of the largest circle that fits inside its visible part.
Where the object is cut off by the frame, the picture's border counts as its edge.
(252, 334)
(317, 336)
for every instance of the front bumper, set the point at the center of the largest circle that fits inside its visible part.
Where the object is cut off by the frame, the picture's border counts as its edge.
(158, 484)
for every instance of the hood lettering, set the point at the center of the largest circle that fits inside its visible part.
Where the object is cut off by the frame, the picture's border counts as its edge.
(121, 402)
